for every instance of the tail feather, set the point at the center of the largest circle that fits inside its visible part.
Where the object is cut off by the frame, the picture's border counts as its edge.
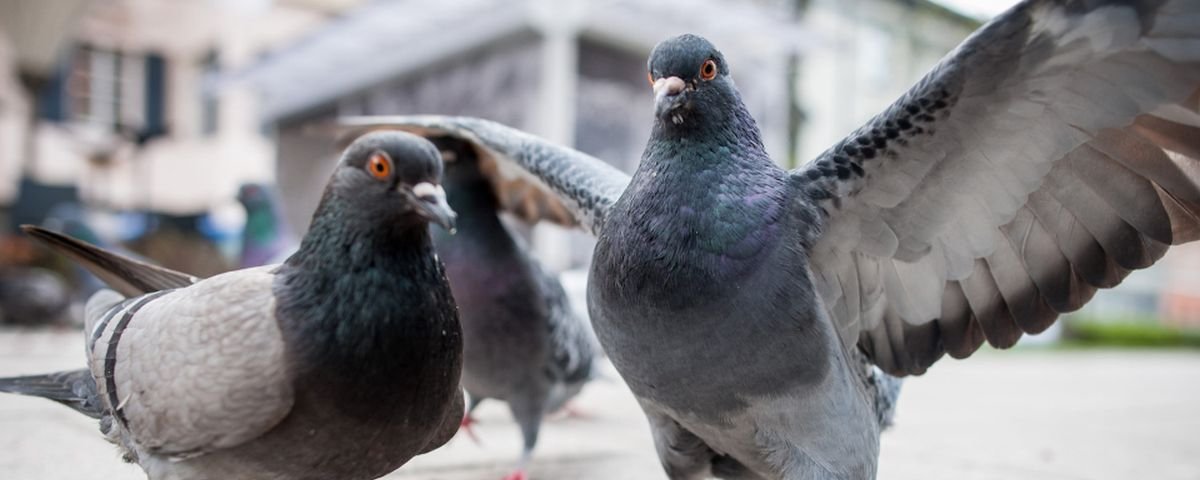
(75, 389)
(127, 276)
(887, 392)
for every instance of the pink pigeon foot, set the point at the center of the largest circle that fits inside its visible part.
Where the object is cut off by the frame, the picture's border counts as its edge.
(466, 426)
(570, 411)
(517, 475)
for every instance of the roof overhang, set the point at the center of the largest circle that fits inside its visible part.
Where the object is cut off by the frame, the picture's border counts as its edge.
(385, 40)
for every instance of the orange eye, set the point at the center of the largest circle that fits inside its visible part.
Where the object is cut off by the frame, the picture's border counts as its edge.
(708, 71)
(379, 166)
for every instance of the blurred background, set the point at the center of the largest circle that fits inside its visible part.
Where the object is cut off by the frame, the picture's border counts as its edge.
(181, 131)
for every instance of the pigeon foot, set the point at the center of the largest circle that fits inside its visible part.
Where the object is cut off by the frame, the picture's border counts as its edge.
(466, 426)
(519, 474)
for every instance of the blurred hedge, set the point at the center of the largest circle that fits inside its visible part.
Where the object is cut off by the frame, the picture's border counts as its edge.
(1126, 332)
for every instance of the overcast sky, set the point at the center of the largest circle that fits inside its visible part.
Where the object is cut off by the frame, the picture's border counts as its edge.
(982, 9)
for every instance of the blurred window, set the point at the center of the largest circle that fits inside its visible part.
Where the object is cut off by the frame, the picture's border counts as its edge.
(209, 106)
(94, 87)
(155, 84)
(874, 57)
(114, 91)
(51, 97)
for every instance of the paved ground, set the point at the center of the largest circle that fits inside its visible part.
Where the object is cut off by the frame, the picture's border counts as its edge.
(1035, 415)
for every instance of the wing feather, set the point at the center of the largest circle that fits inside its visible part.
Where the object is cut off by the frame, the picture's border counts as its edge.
(127, 276)
(196, 369)
(1049, 155)
(961, 332)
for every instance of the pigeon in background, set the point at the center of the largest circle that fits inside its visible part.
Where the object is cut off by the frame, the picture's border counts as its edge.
(266, 238)
(33, 296)
(746, 306)
(292, 371)
(522, 342)
(179, 242)
(36, 289)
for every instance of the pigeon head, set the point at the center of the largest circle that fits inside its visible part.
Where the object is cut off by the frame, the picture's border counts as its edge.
(253, 195)
(690, 79)
(393, 176)
(462, 164)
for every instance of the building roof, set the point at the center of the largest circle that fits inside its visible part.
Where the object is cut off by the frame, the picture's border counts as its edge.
(39, 29)
(383, 40)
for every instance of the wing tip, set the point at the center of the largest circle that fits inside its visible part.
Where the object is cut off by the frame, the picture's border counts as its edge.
(36, 231)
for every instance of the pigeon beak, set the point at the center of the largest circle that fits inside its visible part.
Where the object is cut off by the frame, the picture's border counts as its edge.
(431, 204)
(666, 93)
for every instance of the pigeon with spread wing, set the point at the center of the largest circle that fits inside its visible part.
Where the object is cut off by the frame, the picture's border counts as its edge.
(749, 308)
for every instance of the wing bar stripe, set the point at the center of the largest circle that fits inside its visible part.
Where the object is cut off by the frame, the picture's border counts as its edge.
(110, 357)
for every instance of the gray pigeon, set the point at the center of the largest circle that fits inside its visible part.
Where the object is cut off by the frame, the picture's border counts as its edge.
(291, 371)
(522, 341)
(33, 296)
(1048, 156)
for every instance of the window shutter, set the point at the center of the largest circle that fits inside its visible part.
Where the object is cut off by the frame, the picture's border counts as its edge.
(156, 93)
(209, 108)
(52, 96)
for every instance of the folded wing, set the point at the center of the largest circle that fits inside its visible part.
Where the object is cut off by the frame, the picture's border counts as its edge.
(195, 369)
(183, 365)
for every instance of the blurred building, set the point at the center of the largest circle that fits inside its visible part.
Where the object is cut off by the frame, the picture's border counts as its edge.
(867, 53)
(119, 100)
(1179, 305)
(1167, 293)
(117, 105)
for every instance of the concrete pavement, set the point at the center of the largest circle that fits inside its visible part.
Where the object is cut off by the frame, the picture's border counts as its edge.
(1037, 415)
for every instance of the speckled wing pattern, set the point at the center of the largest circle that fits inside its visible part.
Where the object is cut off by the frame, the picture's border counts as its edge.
(572, 345)
(1048, 156)
(534, 179)
(191, 370)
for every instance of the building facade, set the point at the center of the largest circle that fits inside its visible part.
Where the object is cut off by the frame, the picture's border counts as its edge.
(123, 104)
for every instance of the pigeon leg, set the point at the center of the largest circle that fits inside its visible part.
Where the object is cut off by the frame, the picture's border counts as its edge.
(522, 466)
(528, 413)
(469, 421)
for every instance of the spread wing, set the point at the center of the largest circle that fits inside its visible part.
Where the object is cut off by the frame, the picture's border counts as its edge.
(1048, 156)
(534, 179)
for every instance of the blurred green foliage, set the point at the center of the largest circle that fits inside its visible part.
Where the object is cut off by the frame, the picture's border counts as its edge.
(1131, 331)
